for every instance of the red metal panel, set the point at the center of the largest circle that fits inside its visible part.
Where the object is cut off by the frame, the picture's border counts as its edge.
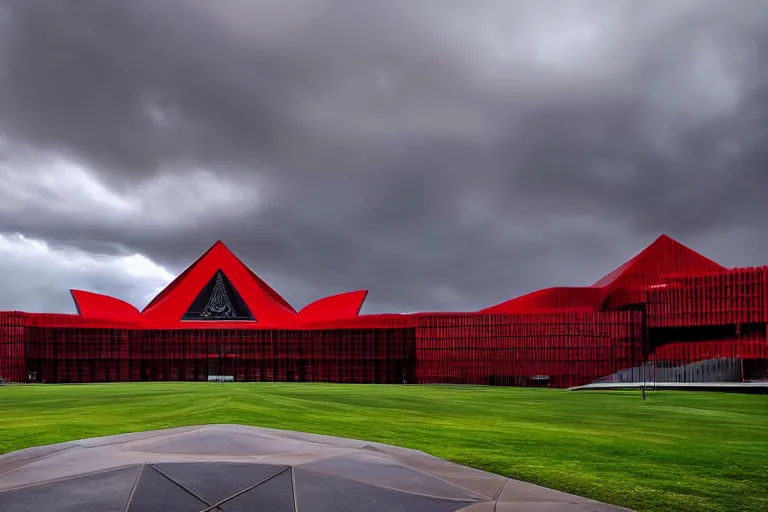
(12, 347)
(736, 296)
(524, 350)
(534, 349)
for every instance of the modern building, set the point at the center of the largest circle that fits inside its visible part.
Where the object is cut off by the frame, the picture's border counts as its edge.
(668, 309)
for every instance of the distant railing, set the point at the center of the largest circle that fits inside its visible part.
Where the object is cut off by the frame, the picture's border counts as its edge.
(710, 370)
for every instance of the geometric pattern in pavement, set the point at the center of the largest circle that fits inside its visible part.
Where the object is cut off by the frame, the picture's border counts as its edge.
(232, 468)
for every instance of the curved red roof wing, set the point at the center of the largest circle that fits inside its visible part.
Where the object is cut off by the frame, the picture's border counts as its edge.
(98, 306)
(335, 307)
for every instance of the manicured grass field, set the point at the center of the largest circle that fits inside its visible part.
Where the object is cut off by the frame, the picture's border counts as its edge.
(676, 451)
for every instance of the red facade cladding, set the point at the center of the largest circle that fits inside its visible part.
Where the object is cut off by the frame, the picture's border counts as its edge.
(559, 349)
(736, 296)
(753, 345)
(689, 316)
(12, 345)
(72, 354)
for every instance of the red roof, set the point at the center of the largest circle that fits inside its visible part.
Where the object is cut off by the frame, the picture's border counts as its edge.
(664, 259)
(170, 305)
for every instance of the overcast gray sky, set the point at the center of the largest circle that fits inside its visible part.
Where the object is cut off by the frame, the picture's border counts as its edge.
(445, 155)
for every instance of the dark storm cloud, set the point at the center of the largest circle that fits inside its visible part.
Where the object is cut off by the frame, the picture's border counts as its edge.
(442, 156)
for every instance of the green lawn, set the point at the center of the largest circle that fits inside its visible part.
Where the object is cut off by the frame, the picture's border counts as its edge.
(676, 451)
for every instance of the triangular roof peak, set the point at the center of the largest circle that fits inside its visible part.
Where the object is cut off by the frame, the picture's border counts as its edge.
(665, 252)
(265, 303)
(172, 285)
